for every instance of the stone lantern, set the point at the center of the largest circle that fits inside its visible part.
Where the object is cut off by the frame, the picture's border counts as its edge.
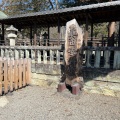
(11, 34)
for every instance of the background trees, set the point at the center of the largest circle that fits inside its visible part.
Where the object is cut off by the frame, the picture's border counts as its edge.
(15, 7)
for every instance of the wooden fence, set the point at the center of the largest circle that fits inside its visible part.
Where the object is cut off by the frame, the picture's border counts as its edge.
(14, 74)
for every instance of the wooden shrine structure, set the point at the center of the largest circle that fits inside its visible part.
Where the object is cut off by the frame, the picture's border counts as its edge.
(48, 61)
(88, 14)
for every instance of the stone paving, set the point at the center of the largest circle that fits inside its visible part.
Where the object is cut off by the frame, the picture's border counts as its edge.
(38, 103)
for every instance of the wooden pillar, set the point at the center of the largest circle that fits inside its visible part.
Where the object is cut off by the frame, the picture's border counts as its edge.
(58, 30)
(3, 32)
(119, 36)
(86, 31)
(111, 33)
(31, 35)
(35, 33)
(48, 34)
(91, 34)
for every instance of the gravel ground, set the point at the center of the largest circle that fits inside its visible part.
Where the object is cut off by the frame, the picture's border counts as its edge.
(38, 103)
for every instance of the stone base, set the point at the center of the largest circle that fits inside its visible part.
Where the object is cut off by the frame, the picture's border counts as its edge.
(45, 80)
(61, 87)
(75, 88)
(101, 87)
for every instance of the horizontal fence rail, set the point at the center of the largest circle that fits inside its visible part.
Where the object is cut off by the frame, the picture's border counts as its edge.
(38, 54)
(44, 59)
(101, 57)
(30, 42)
(14, 74)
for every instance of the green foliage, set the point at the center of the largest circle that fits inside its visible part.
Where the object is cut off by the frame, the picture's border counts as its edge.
(100, 29)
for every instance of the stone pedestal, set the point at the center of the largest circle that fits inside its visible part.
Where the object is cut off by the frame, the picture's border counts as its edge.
(12, 42)
(61, 87)
(75, 89)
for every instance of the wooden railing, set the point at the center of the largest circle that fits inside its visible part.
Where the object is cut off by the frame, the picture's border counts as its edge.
(102, 57)
(29, 42)
(14, 74)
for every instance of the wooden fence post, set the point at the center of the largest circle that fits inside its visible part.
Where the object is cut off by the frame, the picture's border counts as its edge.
(20, 73)
(24, 72)
(1, 76)
(29, 71)
(11, 75)
(5, 76)
(16, 74)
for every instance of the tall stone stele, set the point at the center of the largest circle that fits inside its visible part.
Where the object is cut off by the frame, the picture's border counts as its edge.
(73, 56)
(11, 34)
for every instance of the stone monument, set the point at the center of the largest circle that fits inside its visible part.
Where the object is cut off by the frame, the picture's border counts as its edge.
(73, 56)
(11, 34)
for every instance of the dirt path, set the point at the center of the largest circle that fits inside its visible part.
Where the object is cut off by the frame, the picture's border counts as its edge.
(36, 103)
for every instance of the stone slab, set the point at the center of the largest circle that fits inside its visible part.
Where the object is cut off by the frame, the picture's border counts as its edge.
(3, 101)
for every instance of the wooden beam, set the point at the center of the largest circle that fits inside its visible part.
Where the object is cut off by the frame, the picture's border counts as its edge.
(119, 36)
(86, 31)
(31, 35)
(3, 33)
(58, 30)
(48, 34)
(91, 33)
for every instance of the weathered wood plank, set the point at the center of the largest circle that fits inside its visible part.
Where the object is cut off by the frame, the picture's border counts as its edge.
(5, 77)
(29, 71)
(20, 73)
(24, 73)
(1, 77)
(16, 74)
(11, 75)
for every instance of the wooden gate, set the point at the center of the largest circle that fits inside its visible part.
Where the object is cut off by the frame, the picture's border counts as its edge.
(14, 74)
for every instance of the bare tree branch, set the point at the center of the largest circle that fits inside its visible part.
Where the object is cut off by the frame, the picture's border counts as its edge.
(51, 4)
